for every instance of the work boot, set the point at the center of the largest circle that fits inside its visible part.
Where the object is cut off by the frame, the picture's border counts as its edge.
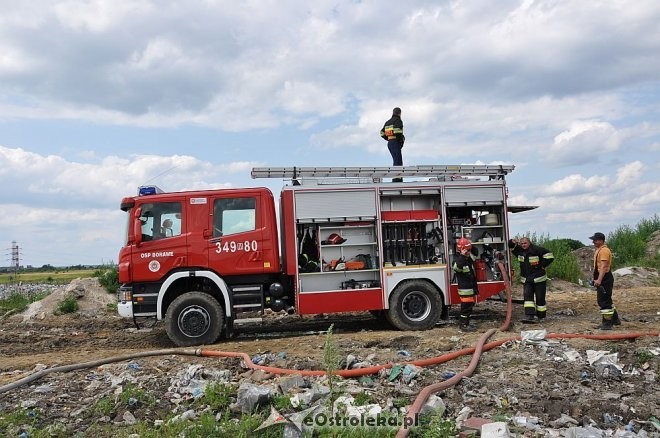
(467, 328)
(464, 325)
(529, 317)
(606, 324)
(615, 318)
(540, 316)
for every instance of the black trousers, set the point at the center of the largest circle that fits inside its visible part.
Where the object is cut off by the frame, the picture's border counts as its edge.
(395, 150)
(534, 292)
(604, 294)
(466, 309)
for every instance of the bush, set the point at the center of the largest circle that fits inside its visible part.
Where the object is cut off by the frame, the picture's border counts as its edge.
(67, 305)
(109, 279)
(646, 227)
(571, 243)
(628, 244)
(565, 265)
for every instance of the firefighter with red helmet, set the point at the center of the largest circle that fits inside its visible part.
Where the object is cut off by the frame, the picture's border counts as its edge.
(533, 261)
(467, 282)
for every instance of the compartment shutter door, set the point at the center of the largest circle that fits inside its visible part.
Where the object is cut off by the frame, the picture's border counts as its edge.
(339, 205)
(475, 196)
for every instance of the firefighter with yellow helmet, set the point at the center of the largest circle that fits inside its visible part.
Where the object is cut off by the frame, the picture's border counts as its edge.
(467, 282)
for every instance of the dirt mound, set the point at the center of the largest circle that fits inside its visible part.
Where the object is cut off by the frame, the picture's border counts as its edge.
(653, 245)
(585, 258)
(92, 300)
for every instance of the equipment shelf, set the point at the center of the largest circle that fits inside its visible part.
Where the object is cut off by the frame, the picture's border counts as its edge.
(343, 271)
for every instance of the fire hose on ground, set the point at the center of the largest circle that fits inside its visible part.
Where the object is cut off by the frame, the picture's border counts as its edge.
(424, 394)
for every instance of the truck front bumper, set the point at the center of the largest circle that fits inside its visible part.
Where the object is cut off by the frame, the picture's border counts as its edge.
(124, 301)
(125, 309)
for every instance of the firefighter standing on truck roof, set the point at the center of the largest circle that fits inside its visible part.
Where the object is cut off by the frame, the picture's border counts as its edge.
(393, 132)
(533, 261)
(467, 282)
(604, 282)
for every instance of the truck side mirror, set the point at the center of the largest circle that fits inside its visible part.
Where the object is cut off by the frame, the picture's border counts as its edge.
(137, 226)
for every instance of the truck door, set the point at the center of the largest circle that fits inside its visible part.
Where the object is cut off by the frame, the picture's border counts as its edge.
(236, 245)
(163, 245)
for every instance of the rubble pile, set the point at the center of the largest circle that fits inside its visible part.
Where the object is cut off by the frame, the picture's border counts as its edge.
(535, 387)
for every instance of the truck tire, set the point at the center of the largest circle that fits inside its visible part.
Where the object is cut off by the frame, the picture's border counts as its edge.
(194, 318)
(414, 305)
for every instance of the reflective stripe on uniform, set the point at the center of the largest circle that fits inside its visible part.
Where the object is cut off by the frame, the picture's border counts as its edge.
(540, 279)
(466, 292)
(607, 312)
(548, 256)
(533, 260)
(541, 308)
(530, 304)
(467, 299)
(465, 269)
(390, 131)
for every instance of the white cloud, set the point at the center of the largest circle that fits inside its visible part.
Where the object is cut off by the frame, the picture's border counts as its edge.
(98, 15)
(629, 173)
(575, 184)
(52, 180)
(584, 141)
(306, 97)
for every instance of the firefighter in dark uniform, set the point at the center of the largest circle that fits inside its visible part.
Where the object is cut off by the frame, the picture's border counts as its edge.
(533, 261)
(604, 282)
(393, 132)
(467, 282)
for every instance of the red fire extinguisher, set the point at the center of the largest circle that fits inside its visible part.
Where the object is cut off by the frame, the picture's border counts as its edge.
(480, 270)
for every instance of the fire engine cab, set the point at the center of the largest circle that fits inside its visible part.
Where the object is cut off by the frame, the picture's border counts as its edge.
(207, 261)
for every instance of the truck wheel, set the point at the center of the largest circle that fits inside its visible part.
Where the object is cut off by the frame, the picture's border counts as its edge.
(194, 318)
(414, 305)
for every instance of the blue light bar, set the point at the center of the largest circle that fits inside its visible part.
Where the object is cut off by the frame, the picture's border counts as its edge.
(149, 190)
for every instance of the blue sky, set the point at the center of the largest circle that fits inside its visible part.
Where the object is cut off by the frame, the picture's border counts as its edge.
(98, 97)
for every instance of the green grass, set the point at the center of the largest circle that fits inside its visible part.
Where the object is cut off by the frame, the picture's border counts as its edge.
(208, 423)
(103, 407)
(18, 302)
(435, 426)
(643, 356)
(134, 394)
(362, 399)
(331, 362)
(55, 277)
(218, 395)
(281, 403)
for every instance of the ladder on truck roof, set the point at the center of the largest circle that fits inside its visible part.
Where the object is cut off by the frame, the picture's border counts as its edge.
(431, 171)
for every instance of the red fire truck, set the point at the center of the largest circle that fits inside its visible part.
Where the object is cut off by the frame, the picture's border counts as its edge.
(207, 261)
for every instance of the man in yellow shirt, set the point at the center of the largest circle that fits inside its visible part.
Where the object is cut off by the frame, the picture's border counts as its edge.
(604, 282)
